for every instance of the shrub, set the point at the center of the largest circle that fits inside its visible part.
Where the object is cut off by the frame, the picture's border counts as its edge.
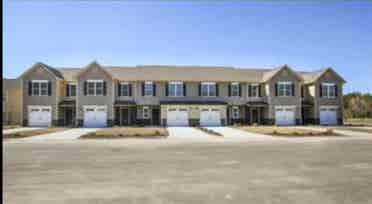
(329, 131)
(275, 132)
(157, 132)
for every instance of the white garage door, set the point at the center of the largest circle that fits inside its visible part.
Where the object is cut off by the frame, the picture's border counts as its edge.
(177, 117)
(328, 115)
(40, 116)
(285, 115)
(210, 117)
(95, 116)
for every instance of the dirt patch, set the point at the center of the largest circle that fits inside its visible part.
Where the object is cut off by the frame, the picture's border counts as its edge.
(127, 132)
(30, 133)
(290, 132)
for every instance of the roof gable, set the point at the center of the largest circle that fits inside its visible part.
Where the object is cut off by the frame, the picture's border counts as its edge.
(312, 77)
(271, 74)
(93, 65)
(47, 68)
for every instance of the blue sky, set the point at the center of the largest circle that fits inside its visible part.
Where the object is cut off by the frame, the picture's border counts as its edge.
(306, 36)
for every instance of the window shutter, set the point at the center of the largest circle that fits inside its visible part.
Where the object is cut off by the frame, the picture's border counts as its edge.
(67, 90)
(293, 90)
(85, 88)
(229, 89)
(320, 91)
(302, 91)
(240, 90)
(336, 92)
(119, 89)
(249, 90)
(49, 88)
(104, 88)
(154, 89)
(130, 89)
(276, 89)
(166, 89)
(30, 88)
(259, 90)
(217, 90)
(143, 88)
(199, 90)
(184, 89)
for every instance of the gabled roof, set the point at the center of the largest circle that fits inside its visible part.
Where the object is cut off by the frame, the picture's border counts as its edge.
(91, 65)
(49, 69)
(311, 77)
(270, 74)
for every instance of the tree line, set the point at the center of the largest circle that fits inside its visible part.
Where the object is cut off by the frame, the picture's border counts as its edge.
(357, 105)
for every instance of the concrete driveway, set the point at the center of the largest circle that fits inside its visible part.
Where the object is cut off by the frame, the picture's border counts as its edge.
(235, 134)
(71, 134)
(20, 129)
(188, 133)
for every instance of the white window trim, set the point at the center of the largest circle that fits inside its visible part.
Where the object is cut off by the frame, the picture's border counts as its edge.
(152, 88)
(148, 112)
(69, 87)
(258, 91)
(231, 89)
(95, 81)
(328, 87)
(175, 91)
(208, 91)
(39, 82)
(285, 83)
(127, 84)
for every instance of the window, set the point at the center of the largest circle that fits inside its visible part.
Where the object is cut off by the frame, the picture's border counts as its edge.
(95, 88)
(124, 89)
(235, 112)
(148, 89)
(255, 90)
(175, 89)
(285, 88)
(146, 112)
(328, 90)
(71, 90)
(235, 89)
(208, 89)
(39, 87)
(5, 96)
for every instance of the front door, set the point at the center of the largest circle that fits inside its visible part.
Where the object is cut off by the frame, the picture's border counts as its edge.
(255, 117)
(155, 116)
(69, 117)
(124, 116)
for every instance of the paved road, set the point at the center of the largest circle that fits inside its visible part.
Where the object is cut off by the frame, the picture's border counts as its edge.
(97, 171)
(20, 129)
(71, 134)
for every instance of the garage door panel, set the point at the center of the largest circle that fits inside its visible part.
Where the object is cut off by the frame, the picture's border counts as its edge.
(177, 117)
(285, 116)
(328, 116)
(40, 116)
(210, 117)
(95, 117)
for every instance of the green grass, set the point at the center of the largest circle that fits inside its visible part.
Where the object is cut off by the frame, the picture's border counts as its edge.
(127, 132)
(358, 121)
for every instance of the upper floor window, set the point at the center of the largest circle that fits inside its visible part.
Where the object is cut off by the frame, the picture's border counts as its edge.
(208, 89)
(95, 87)
(39, 88)
(255, 90)
(235, 89)
(285, 88)
(148, 88)
(124, 89)
(71, 89)
(175, 89)
(328, 90)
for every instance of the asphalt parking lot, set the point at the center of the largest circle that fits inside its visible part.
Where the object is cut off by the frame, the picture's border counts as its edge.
(122, 171)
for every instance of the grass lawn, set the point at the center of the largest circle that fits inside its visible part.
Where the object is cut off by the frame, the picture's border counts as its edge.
(288, 132)
(359, 121)
(127, 132)
(7, 127)
(29, 133)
